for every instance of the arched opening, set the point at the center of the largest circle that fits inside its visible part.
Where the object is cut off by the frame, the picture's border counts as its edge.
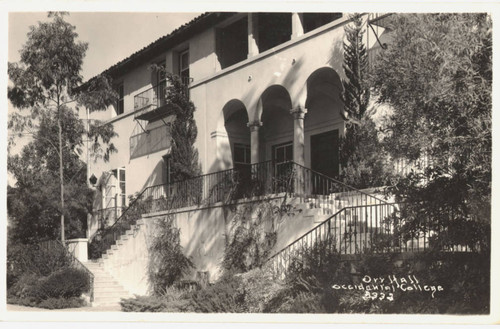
(238, 134)
(323, 123)
(276, 133)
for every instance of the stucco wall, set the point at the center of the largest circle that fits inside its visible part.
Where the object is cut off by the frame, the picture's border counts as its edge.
(204, 233)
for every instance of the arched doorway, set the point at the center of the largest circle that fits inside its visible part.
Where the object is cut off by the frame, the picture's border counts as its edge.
(323, 123)
(276, 133)
(238, 135)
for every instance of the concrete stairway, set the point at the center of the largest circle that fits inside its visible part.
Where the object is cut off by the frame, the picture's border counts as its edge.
(107, 291)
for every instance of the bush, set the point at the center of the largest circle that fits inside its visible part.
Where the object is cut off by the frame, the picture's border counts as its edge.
(65, 283)
(259, 287)
(50, 303)
(143, 304)
(22, 259)
(225, 296)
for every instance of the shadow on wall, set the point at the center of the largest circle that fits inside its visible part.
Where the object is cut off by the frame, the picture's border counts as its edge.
(156, 178)
(337, 59)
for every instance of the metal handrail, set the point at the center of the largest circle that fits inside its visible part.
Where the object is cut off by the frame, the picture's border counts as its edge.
(328, 229)
(257, 179)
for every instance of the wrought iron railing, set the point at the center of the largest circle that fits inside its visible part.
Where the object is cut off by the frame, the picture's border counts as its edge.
(376, 228)
(57, 246)
(156, 96)
(255, 180)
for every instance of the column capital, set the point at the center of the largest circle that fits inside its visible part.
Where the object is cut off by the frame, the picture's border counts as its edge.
(254, 125)
(298, 112)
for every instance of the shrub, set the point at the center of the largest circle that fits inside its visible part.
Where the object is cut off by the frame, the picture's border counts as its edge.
(65, 283)
(260, 287)
(225, 296)
(50, 303)
(24, 286)
(22, 259)
(143, 304)
(58, 303)
(167, 263)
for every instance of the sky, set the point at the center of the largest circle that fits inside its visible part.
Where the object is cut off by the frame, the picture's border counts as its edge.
(111, 37)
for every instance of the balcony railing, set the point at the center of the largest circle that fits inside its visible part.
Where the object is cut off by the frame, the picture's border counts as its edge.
(246, 181)
(152, 102)
(154, 140)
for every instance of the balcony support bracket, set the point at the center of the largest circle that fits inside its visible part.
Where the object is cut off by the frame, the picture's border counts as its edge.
(143, 129)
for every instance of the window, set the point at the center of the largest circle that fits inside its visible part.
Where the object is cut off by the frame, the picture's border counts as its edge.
(121, 196)
(312, 21)
(119, 109)
(167, 170)
(232, 43)
(161, 73)
(184, 66)
(274, 29)
(241, 154)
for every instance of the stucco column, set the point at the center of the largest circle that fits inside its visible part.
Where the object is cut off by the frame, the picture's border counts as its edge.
(298, 147)
(297, 28)
(298, 134)
(254, 140)
(253, 35)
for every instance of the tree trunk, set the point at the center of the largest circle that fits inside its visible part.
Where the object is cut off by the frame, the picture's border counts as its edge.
(59, 126)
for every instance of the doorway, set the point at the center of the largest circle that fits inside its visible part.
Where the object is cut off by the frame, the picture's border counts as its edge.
(324, 158)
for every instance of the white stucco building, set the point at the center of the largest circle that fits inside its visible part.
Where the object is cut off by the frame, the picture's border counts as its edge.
(266, 87)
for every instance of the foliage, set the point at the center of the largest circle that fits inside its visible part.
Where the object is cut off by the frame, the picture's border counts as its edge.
(65, 283)
(225, 296)
(44, 83)
(143, 304)
(167, 264)
(32, 207)
(33, 260)
(260, 287)
(50, 303)
(361, 159)
(308, 286)
(436, 75)
(184, 162)
(356, 95)
(42, 277)
(361, 156)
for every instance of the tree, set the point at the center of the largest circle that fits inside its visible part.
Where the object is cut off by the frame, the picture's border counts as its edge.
(184, 156)
(436, 76)
(360, 151)
(46, 82)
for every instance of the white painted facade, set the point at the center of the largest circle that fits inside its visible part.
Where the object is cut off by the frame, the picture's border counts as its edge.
(286, 94)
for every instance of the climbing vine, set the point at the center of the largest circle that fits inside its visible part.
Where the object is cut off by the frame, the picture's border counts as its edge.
(167, 262)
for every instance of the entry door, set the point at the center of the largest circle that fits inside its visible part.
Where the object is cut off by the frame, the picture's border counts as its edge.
(282, 158)
(324, 158)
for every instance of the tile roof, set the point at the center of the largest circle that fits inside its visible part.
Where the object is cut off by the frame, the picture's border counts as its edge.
(181, 34)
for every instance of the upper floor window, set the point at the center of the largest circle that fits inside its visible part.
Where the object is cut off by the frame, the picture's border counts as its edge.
(232, 43)
(161, 73)
(119, 107)
(311, 21)
(184, 66)
(273, 30)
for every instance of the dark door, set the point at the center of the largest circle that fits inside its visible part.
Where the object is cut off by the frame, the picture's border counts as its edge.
(324, 158)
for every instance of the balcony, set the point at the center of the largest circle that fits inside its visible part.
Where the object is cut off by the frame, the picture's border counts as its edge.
(152, 104)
